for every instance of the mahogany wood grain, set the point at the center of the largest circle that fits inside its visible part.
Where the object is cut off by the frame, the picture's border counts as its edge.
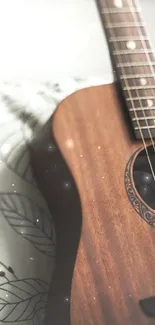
(101, 241)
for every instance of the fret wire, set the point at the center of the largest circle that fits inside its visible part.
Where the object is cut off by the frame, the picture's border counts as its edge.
(139, 38)
(139, 108)
(145, 127)
(110, 25)
(149, 60)
(127, 38)
(134, 64)
(143, 118)
(125, 25)
(142, 51)
(136, 76)
(142, 97)
(120, 10)
(124, 80)
(114, 25)
(139, 87)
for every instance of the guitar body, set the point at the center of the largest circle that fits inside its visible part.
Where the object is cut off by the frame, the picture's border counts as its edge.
(105, 247)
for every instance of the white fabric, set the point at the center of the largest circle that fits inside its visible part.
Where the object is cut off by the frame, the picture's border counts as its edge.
(24, 217)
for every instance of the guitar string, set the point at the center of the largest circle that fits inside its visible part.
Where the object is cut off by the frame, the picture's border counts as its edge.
(150, 65)
(149, 61)
(136, 90)
(132, 103)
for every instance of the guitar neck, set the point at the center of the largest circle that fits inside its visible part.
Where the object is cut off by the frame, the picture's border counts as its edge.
(134, 61)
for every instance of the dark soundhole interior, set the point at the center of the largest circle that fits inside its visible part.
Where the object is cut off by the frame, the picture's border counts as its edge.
(143, 178)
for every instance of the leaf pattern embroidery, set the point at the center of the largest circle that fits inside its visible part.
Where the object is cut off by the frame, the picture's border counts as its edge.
(30, 221)
(6, 274)
(26, 107)
(21, 301)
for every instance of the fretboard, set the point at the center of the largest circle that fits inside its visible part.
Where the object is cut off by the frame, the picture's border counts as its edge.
(134, 61)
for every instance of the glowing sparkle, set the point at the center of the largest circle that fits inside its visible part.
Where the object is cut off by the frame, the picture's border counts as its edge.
(81, 156)
(66, 299)
(67, 185)
(143, 81)
(51, 147)
(150, 102)
(99, 147)
(6, 296)
(37, 220)
(69, 144)
(13, 184)
(22, 232)
(31, 258)
(94, 298)
(118, 3)
(131, 45)
(14, 191)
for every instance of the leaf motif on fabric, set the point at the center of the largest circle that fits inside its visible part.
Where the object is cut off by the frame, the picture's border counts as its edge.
(30, 221)
(21, 301)
(6, 274)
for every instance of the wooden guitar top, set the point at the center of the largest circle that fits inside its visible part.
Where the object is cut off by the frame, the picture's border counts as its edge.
(105, 260)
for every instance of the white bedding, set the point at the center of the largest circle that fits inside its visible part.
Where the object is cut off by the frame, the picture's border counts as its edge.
(25, 222)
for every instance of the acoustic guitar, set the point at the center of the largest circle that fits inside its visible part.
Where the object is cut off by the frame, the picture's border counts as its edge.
(95, 163)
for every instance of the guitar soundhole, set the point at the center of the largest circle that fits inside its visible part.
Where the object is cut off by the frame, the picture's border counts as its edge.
(139, 180)
(143, 177)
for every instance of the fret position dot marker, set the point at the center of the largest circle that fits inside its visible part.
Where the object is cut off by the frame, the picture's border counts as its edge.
(131, 45)
(150, 102)
(118, 3)
(143, 82)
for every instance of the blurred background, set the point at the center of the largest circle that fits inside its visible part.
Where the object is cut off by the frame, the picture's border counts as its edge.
(56, 38)
(41, 40)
